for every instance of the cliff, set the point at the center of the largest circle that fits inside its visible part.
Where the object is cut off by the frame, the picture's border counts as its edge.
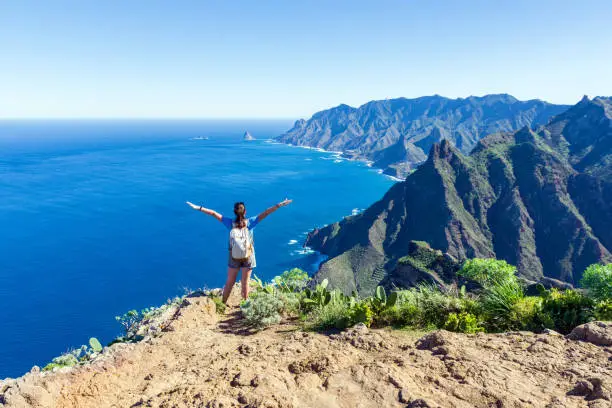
(203, 359)
(396, 134)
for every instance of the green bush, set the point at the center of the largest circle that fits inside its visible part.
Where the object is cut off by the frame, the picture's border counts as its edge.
(361, 312)
(487, 272)
(262, 310)
(65, 360)
(317, 297)
(603, 311)
(498, 303)
(219, 305)
(463, 323)
(427, 306)
(334, 315)
(292, 280)
(291, 303)
(562, 311)
(130, 321)
(597, 279)
(525, 314)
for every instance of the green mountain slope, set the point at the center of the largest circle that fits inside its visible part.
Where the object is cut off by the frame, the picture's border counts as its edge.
(515, 197)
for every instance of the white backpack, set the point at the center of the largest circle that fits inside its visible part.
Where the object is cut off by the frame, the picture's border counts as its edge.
(241, 244)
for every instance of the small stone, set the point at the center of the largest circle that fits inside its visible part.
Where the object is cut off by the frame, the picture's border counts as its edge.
(395, 381)
(418, 403)
(240, 381)
(149, 377)
(403, 396)
(360, 328)
(582, 388)
(242, 398)
(35, 369)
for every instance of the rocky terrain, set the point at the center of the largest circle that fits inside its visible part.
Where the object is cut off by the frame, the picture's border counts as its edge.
(532, 198)
(396, 134)
(202, 359)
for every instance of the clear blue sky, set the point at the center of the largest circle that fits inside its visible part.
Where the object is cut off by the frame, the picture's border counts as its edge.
(289, 58)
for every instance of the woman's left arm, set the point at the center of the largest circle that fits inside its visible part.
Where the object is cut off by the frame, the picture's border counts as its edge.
(273, 208)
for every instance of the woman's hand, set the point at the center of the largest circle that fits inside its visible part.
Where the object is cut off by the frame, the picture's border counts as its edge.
(284, 202)
(192, 205)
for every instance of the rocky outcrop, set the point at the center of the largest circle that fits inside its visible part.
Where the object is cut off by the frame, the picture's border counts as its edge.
(396, 134)
(206, 360)
(517, 197)
(598, 333)
(423, 264)
(247, 136)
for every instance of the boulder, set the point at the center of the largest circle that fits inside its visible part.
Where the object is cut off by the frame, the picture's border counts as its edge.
(598, 333)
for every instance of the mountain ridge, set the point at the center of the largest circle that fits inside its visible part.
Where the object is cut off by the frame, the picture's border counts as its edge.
(517, 197)
(395, 134)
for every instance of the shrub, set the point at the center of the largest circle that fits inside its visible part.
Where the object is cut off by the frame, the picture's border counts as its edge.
(65, 360)
(562, 311)
(219, 305)
(428, 306)
(525, 314)
(290, 303)
(318, 297)
(487, 272)
(463, 323)
(597, 279)
(292, 280)
(129, 321)
(361, 312)
(261, 310)
(603, 310)
(498, 303)
(334, 315)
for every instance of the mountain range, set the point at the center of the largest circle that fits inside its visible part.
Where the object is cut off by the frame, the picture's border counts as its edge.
(396, 134)
(540, 199)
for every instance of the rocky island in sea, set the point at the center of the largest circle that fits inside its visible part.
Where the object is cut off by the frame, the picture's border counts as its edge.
(247, 136)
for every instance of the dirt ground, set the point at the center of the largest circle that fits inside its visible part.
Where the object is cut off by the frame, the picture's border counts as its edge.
(201, 359)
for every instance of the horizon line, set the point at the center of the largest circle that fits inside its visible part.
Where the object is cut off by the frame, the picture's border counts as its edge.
(14, 118)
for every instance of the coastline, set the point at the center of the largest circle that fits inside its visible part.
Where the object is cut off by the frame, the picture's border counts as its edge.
(343, 156)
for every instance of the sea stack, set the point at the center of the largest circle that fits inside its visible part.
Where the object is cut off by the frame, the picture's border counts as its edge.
(248, 136)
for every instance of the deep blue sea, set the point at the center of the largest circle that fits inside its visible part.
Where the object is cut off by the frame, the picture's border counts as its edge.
(93, 220)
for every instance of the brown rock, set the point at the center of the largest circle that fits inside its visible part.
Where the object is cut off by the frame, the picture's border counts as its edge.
(598, 333)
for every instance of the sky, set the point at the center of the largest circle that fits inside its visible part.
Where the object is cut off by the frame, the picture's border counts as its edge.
(290, 58)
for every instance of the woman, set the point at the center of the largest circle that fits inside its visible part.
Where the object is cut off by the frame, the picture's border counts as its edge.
(241, 243)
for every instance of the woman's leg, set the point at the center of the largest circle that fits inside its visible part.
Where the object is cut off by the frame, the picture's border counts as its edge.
(232, 273)
(244, 282)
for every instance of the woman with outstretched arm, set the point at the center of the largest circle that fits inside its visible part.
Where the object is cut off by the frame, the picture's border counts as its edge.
(241, 246)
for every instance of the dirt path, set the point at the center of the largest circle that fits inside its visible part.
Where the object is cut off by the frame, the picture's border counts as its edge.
(200, 361)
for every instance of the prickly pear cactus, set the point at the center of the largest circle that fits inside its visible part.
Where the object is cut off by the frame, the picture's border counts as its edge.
(381, 295)
(95, 345)
(392, 299)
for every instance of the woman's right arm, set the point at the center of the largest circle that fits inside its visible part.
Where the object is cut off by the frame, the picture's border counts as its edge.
(205, 210)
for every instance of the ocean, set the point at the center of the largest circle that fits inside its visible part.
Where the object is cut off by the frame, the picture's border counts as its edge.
(93, 220)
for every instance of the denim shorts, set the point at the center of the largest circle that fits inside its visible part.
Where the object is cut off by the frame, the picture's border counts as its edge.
(234, 263)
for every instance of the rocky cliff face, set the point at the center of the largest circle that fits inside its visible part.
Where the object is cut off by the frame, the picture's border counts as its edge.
(517, 197)
(397, 134)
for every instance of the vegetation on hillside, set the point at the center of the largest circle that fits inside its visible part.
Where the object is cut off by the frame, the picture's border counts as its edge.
(499, 304)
